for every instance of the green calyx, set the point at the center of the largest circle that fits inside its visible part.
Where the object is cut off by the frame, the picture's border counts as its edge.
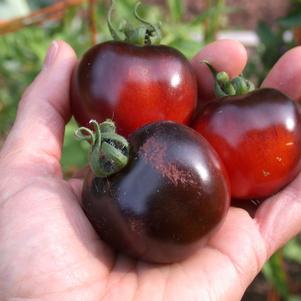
(144, 34)
(224, 86)
(109, 151)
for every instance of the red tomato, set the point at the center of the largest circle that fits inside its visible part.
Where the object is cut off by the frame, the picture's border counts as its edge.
(258, 137)
(133, 85)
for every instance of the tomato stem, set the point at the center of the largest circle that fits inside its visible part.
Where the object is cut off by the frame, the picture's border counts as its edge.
(152, 32)
(144, 34)
(109, 151)
(224, 86)
(112, 30)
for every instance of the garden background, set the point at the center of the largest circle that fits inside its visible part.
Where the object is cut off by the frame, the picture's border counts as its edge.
(267, 28)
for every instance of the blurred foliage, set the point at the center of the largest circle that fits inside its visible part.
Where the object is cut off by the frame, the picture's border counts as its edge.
(274, 41)
(275, 270)
(293, 18)
(275, 273)
(36, 4)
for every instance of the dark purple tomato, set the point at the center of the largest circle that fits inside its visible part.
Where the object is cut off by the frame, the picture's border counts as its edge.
(164, 204)
(133, 85)
(258, 138)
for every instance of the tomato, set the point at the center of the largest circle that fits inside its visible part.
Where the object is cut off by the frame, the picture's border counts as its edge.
(165, 203)
(258, 137)
(133, 84)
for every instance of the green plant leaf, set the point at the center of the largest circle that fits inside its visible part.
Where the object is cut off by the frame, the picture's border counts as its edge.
(291, 21)
(211, 12)
(176, 9)
(265, 33)
(274, 273)
(294, 298)
(292, 251)
(75, 153)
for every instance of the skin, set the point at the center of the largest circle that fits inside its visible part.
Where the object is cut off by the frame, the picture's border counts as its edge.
(48, 250)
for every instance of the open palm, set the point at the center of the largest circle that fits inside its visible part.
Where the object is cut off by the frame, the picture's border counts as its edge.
(48, 249)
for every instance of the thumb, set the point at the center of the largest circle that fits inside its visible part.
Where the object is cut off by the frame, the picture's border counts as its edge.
(43, 111)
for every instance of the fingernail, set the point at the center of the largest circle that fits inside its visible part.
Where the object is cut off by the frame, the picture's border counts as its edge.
(51, 54)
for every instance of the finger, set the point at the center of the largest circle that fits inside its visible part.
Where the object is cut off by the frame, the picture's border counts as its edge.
(77, 186)
(44, 108)
(224, 55)
(279, 217)
(77, 182)
(286, 74)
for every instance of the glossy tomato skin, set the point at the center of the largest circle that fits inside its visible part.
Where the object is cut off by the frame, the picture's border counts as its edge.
(258, 138)
(133, 85)
(166, 202)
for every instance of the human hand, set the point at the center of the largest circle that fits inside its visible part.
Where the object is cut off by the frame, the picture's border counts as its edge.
(48, 249)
